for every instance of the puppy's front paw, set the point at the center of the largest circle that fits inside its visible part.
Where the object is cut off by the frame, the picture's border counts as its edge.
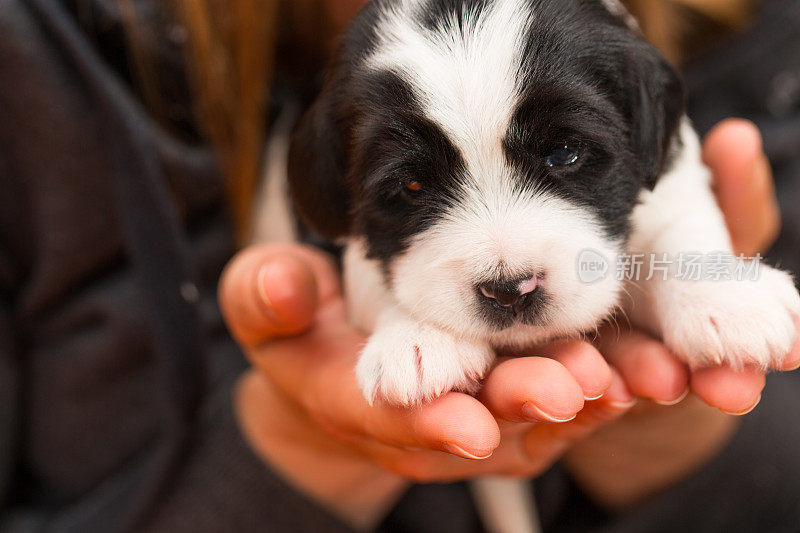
(406, 363)
(737, 323)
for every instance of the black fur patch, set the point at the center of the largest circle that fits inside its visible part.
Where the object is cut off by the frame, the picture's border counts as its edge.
(395, 144)
(586, 78)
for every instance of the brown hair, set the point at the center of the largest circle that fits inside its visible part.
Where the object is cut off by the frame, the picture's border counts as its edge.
(231, 48)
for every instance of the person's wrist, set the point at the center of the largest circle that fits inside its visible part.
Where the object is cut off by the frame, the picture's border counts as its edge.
(334, 475)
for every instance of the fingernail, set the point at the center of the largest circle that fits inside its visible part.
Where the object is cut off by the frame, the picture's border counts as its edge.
(676, 401)
(265, 273)
(455, 449)
(624, 406)
(792, 369)
(586, 398)
(747, 411)
(531, 412)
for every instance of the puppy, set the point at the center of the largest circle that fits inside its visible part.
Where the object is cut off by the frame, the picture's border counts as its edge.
(471, 154)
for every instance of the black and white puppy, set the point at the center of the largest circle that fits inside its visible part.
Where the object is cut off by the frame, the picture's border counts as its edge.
(468, 152)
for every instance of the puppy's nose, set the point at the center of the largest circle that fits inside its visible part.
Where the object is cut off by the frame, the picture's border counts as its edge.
(512, 295)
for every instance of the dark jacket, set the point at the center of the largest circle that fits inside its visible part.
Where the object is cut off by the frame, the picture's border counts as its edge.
(116, 370)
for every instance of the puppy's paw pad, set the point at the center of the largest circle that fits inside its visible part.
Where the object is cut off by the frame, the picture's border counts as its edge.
(736, 323)
(407, 364)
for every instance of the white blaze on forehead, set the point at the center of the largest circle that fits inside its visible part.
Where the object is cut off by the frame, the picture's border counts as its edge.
(465, 73)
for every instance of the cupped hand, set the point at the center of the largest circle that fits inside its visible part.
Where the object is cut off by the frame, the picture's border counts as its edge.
(745, 191)
(301, 410)
(657, 445)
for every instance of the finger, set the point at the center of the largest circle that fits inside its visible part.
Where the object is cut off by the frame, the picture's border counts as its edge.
(273, 290)
(529, 449)
(526, 449)
(743, 184)
(455, 423)
(534, 389)
(649, 369)
(734, 392)
(584, 362)
(556, 438)
(552, 440)
(617, 400)
(315, 371)
(792, 359)
(543, 444)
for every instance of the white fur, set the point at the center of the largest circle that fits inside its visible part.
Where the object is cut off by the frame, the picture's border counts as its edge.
(407, 361)
(427, 336)
(466, 81)
(428, 313)
(499, 229)
(735, 322)
(364, 285)
(427, 341)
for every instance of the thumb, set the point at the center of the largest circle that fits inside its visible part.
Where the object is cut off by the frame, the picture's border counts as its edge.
(273, 291)
(743, 184)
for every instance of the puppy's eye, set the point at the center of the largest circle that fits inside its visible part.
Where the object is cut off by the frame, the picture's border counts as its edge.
(411, 191)
(564, 154)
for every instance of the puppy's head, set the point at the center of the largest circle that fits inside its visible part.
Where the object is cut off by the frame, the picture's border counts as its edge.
(478, 147)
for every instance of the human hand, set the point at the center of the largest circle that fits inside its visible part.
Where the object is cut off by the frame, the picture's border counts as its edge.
(302, 412)
(304, 391)
(656, 446)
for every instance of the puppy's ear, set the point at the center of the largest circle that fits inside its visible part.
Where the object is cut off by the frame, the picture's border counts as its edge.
(317, 168)
(656, 107)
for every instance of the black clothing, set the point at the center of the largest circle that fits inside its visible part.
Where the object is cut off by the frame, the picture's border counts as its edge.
(112, 234)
